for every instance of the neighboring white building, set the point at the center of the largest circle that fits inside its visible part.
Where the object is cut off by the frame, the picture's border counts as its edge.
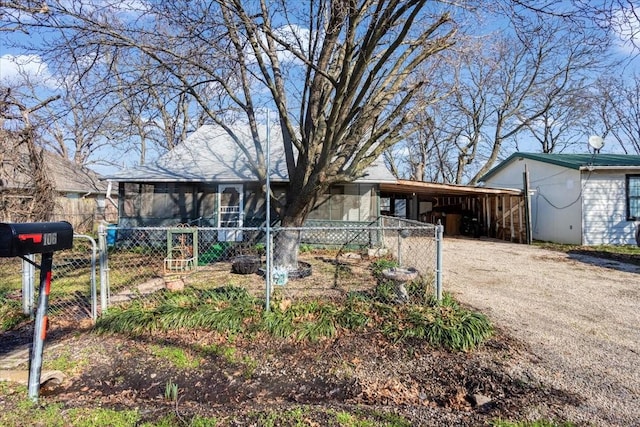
(588, 199)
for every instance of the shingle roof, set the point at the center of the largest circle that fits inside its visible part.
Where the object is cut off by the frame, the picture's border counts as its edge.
(211, 155)
(67, 176)
(571, 161)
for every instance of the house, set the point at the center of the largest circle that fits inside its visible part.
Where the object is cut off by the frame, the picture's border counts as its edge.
(207, 181)
(587, 199)
(79, 192)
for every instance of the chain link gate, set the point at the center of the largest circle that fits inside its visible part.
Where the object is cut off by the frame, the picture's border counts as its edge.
(73, 296)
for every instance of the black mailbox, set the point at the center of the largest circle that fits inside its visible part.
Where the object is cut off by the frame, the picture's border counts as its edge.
(34, 238)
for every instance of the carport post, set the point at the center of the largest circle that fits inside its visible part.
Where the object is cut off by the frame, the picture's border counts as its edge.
(527, 204)
(439, 239)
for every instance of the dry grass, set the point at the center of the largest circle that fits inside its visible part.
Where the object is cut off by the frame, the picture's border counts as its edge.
(332, 277)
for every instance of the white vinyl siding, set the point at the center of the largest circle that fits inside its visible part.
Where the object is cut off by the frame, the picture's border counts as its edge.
(605, 209)
(589, 207)
(555, 198)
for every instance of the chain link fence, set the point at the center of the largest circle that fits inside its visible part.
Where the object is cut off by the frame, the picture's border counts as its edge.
(74, 288)
(309, 262)
(327, 261)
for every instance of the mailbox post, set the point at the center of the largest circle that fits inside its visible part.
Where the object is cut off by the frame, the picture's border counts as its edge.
(19, 240)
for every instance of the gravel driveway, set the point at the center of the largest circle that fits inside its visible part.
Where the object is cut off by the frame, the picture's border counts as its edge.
(580, 316)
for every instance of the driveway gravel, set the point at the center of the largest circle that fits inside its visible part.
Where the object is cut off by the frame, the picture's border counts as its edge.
(579, 315)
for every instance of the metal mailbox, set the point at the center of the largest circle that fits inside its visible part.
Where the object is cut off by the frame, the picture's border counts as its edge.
(35, 237)
(18, 240)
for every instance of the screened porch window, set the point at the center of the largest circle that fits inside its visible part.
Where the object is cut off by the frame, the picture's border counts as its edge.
(633, 197)
(330, 206)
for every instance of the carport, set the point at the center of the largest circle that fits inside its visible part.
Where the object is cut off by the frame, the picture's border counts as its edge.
(495, 212)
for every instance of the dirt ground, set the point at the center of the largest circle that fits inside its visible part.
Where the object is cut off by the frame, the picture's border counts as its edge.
(358, 374)
(566, 348)
(579, 315)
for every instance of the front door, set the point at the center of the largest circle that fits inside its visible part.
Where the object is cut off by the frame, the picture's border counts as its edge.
(230, 210)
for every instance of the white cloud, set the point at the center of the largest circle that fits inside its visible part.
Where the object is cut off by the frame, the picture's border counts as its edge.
(626, 25)
(292, 35)
(296, 36)
(20, 68)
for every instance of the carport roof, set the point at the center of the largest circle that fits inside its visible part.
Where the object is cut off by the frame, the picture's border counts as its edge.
(407, 186)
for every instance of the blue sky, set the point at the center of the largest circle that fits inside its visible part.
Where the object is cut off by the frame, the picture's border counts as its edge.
(14, 61)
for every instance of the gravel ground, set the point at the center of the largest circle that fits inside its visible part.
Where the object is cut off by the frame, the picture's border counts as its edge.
(579, 315)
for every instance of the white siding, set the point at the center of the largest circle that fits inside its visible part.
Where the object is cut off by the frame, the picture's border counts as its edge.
(605, 210)
(555, 199)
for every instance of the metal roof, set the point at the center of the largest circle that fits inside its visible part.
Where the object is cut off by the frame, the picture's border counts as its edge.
(572, 161)
(211, 155)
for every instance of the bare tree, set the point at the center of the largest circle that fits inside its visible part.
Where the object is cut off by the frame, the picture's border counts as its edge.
(115, 102)
(618, 101)
(424, 154)
(564, 124)
(527, 88)
(340, 74)
(155, 114)
(510, 85)
(620, 19)
(21, 156)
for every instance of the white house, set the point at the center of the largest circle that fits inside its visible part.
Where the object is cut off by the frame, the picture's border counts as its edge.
(588, 199)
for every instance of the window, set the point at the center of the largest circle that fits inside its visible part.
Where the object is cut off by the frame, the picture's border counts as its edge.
(633, 197)
(385, 205)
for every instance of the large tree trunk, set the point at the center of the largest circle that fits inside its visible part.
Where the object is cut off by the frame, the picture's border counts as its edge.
(286, 241)
(286, 246)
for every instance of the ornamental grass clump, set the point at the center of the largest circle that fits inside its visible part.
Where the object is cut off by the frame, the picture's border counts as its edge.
(304, 320)
(443, 324)
(233, 310)
(227, 309)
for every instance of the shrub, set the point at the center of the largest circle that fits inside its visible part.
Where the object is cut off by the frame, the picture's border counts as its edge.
(441, 325)
(382, 264)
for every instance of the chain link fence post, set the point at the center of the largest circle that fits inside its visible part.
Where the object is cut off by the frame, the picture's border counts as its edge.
(104, 268)
(94, 291)
(28, 284)
(439, 241)
(268, 268)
